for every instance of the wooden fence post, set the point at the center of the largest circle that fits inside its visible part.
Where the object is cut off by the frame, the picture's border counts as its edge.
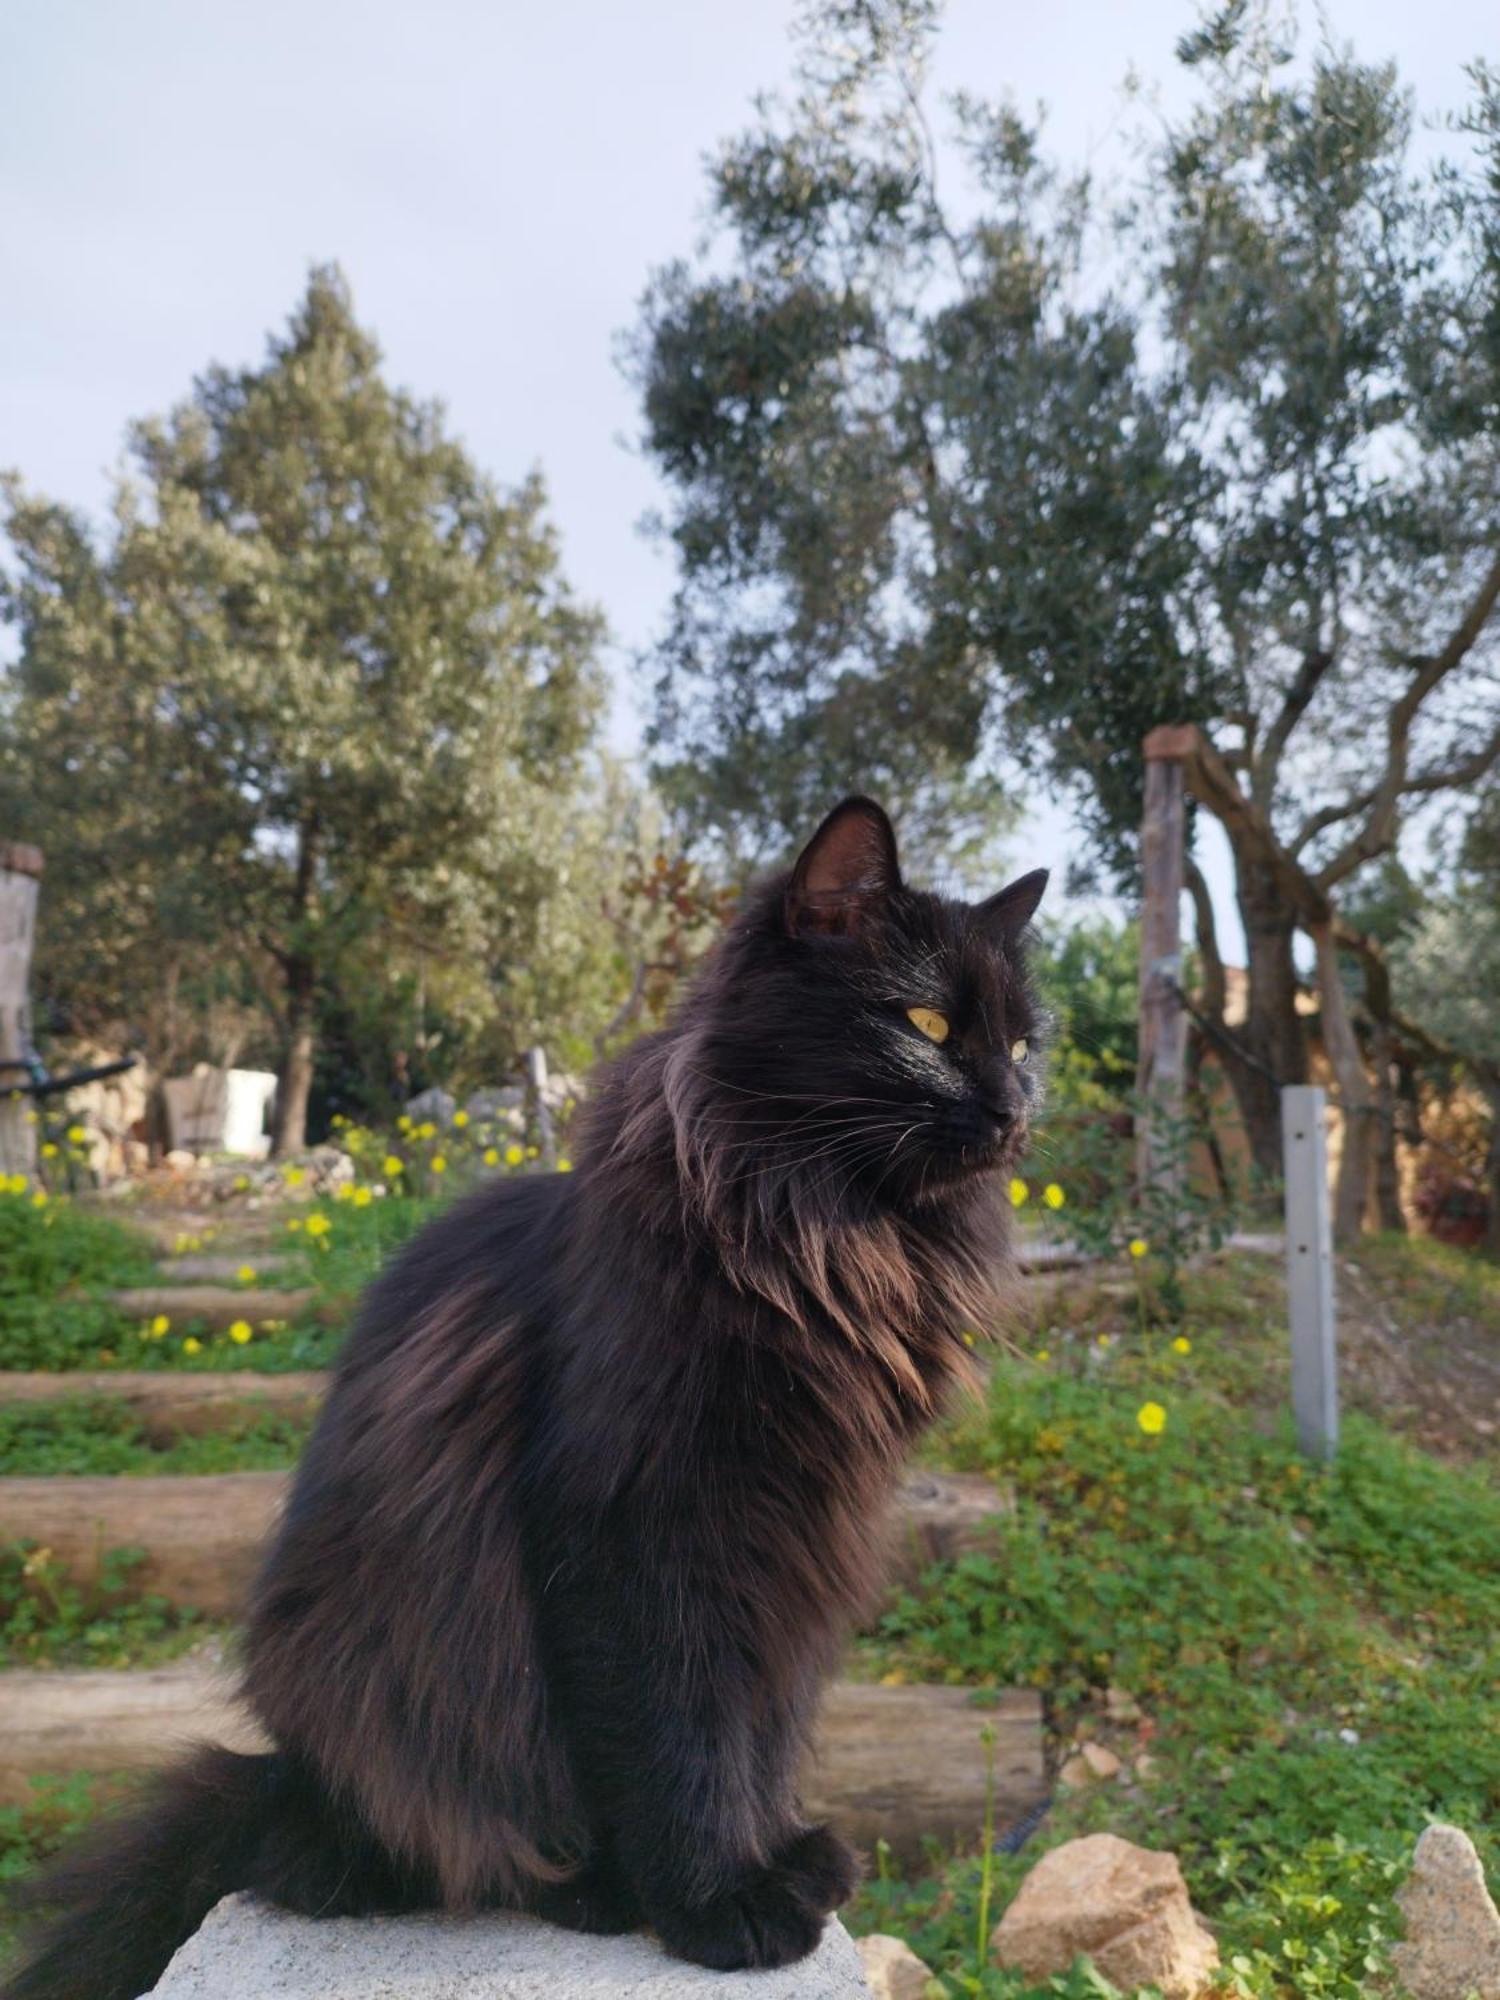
(1163, 1025)
(20, 873)
(1309, 1269)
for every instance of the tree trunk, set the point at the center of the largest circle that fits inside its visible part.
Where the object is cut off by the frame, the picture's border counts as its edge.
(294, 1077)
(1356, 1099)
(1273, 1038)
(1490, 1084)
(1389, 1214)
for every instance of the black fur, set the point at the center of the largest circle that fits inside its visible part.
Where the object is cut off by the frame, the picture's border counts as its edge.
(598, 1488)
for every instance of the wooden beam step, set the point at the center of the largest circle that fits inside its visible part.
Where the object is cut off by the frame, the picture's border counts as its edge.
(173, 1402)
(899, 1763)
(202, 1534)
(219, 1306)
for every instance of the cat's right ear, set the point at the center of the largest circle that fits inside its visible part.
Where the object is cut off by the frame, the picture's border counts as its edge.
(844, 875)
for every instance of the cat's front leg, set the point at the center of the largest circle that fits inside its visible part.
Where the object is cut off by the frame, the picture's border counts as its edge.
(672, 1737)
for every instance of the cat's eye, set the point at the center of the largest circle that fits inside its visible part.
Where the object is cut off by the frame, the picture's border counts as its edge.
(926, 1022)
(1020, 1050)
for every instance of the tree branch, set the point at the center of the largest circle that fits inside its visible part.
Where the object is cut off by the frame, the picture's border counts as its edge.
(1379, 829)
(1447, 777)
(1293, 707)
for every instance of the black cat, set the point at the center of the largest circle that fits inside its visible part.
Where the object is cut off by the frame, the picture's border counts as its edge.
(597, 1490)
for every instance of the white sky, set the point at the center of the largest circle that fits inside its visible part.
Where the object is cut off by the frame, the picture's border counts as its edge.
(497, 181)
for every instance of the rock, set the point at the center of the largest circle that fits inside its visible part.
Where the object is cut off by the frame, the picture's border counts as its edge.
(1124, 1907)
(435, 1105)
(892, 1969)
(1092, 1764)
(1452, 1927)
(248, 1952)
(1120, 1706)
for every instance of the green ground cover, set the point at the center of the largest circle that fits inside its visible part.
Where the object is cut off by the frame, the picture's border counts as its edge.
(96, 1434)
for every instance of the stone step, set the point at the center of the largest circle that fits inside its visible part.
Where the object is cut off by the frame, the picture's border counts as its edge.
(219, 1306)
(173, 1402)
(250, 1952)
(216, 1268)
(901, 1763)
(202, 1534)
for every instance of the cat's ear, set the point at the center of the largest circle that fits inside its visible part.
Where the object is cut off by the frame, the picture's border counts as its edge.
(845, 873)
(1006, 914)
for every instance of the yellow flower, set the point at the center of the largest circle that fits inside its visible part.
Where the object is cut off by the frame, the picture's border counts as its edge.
(294, 1176)
(160, 1325)
(533, 1152)
(317, 1225)
(39, 1199)
(343, 1192)
(362, 1197)
(294, 1222)
(1138, 1246)
(491, 1156)
(192, 1345)
(1106, 1340)
(1018, 1193)
(49, 1151)
(390, 1166)
(1152, 1418)
(241, 1182)
(76, 1135)
(426, 1130)
(1053, 1195)
(1043, 1354)
(239, 1333)
(460, 1119)
(246, 1272)
(1182, 1345)
(565, 1166)
(15, 1185)
(438, 1164)
(403, 1123)
(968, 1340)
(514, 1155)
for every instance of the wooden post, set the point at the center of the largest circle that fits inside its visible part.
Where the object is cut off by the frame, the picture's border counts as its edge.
(20, 873)
(1163, 1025)
(536, 1077)
(1309, 1269)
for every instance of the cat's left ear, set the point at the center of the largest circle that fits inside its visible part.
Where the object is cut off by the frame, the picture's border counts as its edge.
(1006, 914)
(846, 872)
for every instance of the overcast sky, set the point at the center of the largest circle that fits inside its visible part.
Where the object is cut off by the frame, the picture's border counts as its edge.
(497, 182)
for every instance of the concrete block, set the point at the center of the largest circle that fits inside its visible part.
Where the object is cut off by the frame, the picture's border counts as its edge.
(246, 1951)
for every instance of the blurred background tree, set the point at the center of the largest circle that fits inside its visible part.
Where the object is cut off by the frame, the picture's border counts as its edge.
(317, 720)
(1013, 471)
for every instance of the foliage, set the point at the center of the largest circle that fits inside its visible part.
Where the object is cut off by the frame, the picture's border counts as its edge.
(56, 1260)
(325, 685)
(99, 1434)
(47, 1619)
(1315, 1650)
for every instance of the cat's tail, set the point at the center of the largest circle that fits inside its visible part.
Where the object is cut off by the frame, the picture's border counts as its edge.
(120, 1903)
(117, 1906)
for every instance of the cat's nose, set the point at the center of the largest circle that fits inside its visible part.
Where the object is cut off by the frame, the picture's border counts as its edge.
(1000, 1114)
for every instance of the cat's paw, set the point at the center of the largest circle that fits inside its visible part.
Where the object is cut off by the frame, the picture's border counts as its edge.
(767, 1920)
(820, 1866)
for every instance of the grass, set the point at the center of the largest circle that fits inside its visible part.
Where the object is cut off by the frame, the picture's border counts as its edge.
(48, 1619)
(1315, 1652)
(56, 1262)
(95, 1434)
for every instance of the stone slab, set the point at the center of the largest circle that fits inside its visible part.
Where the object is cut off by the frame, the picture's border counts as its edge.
(246, 1951)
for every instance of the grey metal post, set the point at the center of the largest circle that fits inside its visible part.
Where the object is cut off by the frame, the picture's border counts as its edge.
(1309, 1269)
(536, 1076)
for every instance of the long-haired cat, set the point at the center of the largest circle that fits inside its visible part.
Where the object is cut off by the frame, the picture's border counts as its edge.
(597, 1490)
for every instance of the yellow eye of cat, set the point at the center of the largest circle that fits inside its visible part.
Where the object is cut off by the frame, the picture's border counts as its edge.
(933, 1026)
(1020, 1050)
